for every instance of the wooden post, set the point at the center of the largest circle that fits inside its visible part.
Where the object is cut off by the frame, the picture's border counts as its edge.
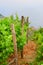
(27, 35)
(27, 19)
(15, 44)
(22, 25)
(27, 28)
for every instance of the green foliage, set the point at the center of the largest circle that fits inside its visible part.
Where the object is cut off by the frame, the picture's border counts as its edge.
(36, 63)
(6, 42)
(38, 37)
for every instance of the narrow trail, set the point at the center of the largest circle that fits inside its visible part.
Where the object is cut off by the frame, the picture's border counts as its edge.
(29, 53)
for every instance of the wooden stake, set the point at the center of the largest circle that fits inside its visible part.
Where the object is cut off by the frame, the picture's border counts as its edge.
(27, 19)
(15, 44)
(22, 32)
(27, 35)
(27, 29)
(22, 24)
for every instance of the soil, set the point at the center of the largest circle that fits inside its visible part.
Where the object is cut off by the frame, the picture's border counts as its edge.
(29, 54)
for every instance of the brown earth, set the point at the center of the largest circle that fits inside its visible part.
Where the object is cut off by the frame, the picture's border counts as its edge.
(29, 54)
(29, 49)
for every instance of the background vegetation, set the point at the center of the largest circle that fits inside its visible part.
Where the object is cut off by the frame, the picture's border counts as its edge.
(6, 42)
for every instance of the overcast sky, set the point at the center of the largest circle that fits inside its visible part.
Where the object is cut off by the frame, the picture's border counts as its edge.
(31, 8)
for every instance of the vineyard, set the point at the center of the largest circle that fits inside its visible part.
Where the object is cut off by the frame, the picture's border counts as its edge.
(20, 44)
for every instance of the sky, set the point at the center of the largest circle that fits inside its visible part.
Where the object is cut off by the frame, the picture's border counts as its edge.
(31, 8)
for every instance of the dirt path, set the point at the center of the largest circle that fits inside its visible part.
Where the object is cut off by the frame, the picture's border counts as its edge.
(29, 53)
